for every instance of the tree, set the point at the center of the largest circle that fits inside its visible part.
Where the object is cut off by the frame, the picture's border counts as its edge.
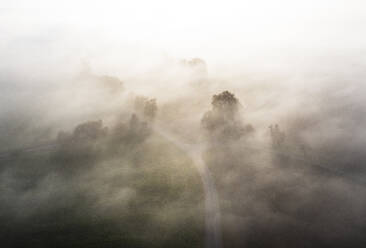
(84, 132)
(146, 108)
(277, 136)
(223, 120)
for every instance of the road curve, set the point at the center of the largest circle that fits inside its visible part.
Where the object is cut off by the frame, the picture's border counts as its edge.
(213, 238)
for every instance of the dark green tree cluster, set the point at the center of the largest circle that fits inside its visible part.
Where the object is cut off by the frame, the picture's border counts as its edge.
(223, 121)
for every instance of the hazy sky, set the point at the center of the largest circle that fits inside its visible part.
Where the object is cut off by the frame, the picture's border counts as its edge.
(186, 28)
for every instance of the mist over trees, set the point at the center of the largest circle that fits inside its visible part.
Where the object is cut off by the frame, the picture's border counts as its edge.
(182, 124)
(102, 186)
(111, 84)
(224, 121)
(278, 188)
(286, 175)
(146, 108)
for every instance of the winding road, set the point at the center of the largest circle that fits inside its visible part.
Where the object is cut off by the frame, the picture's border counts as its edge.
(213, 238)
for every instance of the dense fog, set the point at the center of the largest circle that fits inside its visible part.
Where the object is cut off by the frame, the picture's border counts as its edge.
(188, 125)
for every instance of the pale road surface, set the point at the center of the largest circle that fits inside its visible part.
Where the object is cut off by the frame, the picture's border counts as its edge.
(213, 238)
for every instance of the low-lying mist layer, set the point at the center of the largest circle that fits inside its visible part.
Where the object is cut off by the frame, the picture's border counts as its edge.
(83, 166)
